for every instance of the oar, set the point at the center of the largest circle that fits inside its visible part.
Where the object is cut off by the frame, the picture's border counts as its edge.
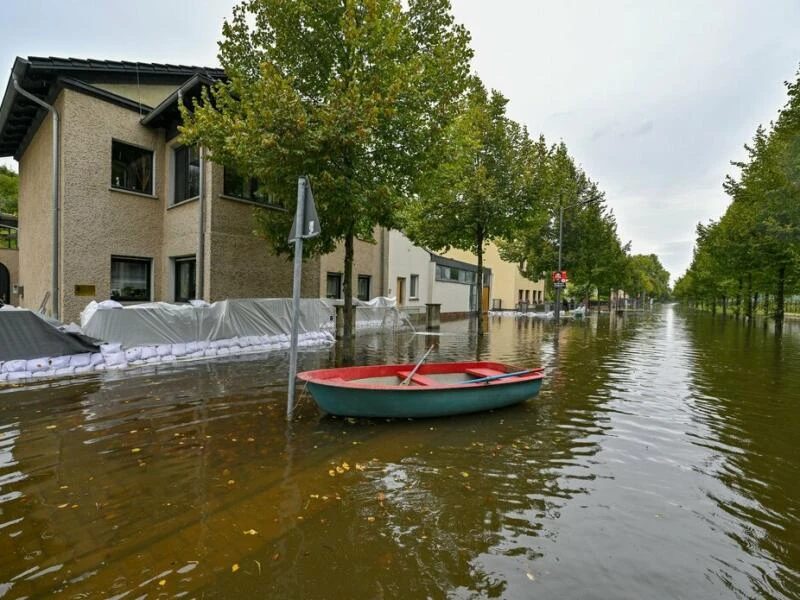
(501, 376)
(417, 366)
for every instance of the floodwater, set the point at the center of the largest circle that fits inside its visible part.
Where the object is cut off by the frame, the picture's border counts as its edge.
(660, 460)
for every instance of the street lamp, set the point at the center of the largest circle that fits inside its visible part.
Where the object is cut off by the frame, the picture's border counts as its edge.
(557, 311)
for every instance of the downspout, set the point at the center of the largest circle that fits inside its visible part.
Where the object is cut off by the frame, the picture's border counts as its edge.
(56, 209)
(201, 234)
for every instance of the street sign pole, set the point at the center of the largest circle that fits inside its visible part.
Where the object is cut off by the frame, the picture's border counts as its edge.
(306, 225)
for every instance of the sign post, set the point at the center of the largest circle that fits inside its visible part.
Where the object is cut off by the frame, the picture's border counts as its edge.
(305, 226)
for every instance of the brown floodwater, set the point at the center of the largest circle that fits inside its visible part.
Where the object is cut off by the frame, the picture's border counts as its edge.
(660, 460)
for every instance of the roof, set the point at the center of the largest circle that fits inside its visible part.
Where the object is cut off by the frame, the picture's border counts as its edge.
(45, 77)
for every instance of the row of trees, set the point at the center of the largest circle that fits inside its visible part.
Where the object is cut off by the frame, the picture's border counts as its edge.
(752, 253)
(374, 100)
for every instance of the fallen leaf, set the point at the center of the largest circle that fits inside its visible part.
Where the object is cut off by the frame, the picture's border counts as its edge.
(464, 474)
(51, 426)
(162, 582)
(339, 470)
(234, 568)
(135, 450)
(360, 467)
(250, 532)
(63, 505)
(345, 466)
(331, 472)
(370, 519)
(231, 481)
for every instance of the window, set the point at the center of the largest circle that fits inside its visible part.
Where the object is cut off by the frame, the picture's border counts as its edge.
(363, 287)
(527, 295)
(131, 168)
(185, 279)
(130, 279)
(240, 186)
(334, 285)
(444, 273)
(8, 238)
(187, 174)
(414, 287)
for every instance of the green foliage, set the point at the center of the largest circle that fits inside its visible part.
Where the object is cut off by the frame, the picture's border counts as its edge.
(756, 244)
(354, 94)
(9, 190)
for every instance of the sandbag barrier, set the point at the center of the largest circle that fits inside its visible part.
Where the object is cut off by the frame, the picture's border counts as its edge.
(113, 356)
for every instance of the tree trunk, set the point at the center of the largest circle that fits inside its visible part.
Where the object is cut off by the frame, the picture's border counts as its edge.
(724, 306)
(479, 253)
(348, 285)
(739, 300)
(779, 299)
(749, 296)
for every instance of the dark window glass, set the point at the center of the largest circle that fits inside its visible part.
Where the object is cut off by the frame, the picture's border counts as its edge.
(131, 168)
(334, 285)
(185, 279)
(187, 174)
(363, 287)
(130, 279)
(414, 287)
(246, 188)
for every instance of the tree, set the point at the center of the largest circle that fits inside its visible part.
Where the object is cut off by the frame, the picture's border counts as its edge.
(353, 93)
(472, 194)
(9, 190)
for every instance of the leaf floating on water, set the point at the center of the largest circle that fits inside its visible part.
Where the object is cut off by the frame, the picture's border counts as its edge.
(51, 427)
(339, 469)
(162, 582)
(250, 532)
(65, 505)
(331, 472)
(315, 496)
(276, 556)
(234, 568)
(231, 481)
(464, 474)
(345, 466)
(360, 467)
(135, 450)
(370, 519)
(530, 576)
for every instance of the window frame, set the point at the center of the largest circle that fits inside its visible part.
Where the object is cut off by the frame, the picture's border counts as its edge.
(185, 186)
(148, 262)
(144, 149)
(331, 276)
(177, 261)
(360, 279)
(413, 287)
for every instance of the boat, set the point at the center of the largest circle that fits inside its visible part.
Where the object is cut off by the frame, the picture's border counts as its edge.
(416, 391)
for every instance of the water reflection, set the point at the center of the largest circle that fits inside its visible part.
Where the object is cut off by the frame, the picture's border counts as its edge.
(659, 445)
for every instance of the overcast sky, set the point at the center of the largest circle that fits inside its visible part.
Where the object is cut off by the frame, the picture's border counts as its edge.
(653, 99)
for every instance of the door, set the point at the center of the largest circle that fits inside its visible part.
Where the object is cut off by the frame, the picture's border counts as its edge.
(401, 291)
(5, 285)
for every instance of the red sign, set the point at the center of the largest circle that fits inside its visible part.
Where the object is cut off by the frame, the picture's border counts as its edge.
(560, 276)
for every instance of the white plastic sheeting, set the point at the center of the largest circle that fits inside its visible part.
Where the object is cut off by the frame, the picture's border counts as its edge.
(162, 323)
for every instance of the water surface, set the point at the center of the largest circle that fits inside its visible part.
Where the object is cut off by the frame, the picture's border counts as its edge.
(659, 461)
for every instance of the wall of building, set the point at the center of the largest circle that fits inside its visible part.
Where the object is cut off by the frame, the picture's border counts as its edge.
(239, 263)
(149, 95)
(406, 259)
(453, 296)
(506, 278)
(36, 216)
(98, 221)
(368, 259)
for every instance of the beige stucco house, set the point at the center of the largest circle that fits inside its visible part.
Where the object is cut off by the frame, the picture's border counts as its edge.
(509, 286)
(139, 217)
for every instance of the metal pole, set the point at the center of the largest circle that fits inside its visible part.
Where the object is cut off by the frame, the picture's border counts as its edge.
(298, 265)
(558, 283)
